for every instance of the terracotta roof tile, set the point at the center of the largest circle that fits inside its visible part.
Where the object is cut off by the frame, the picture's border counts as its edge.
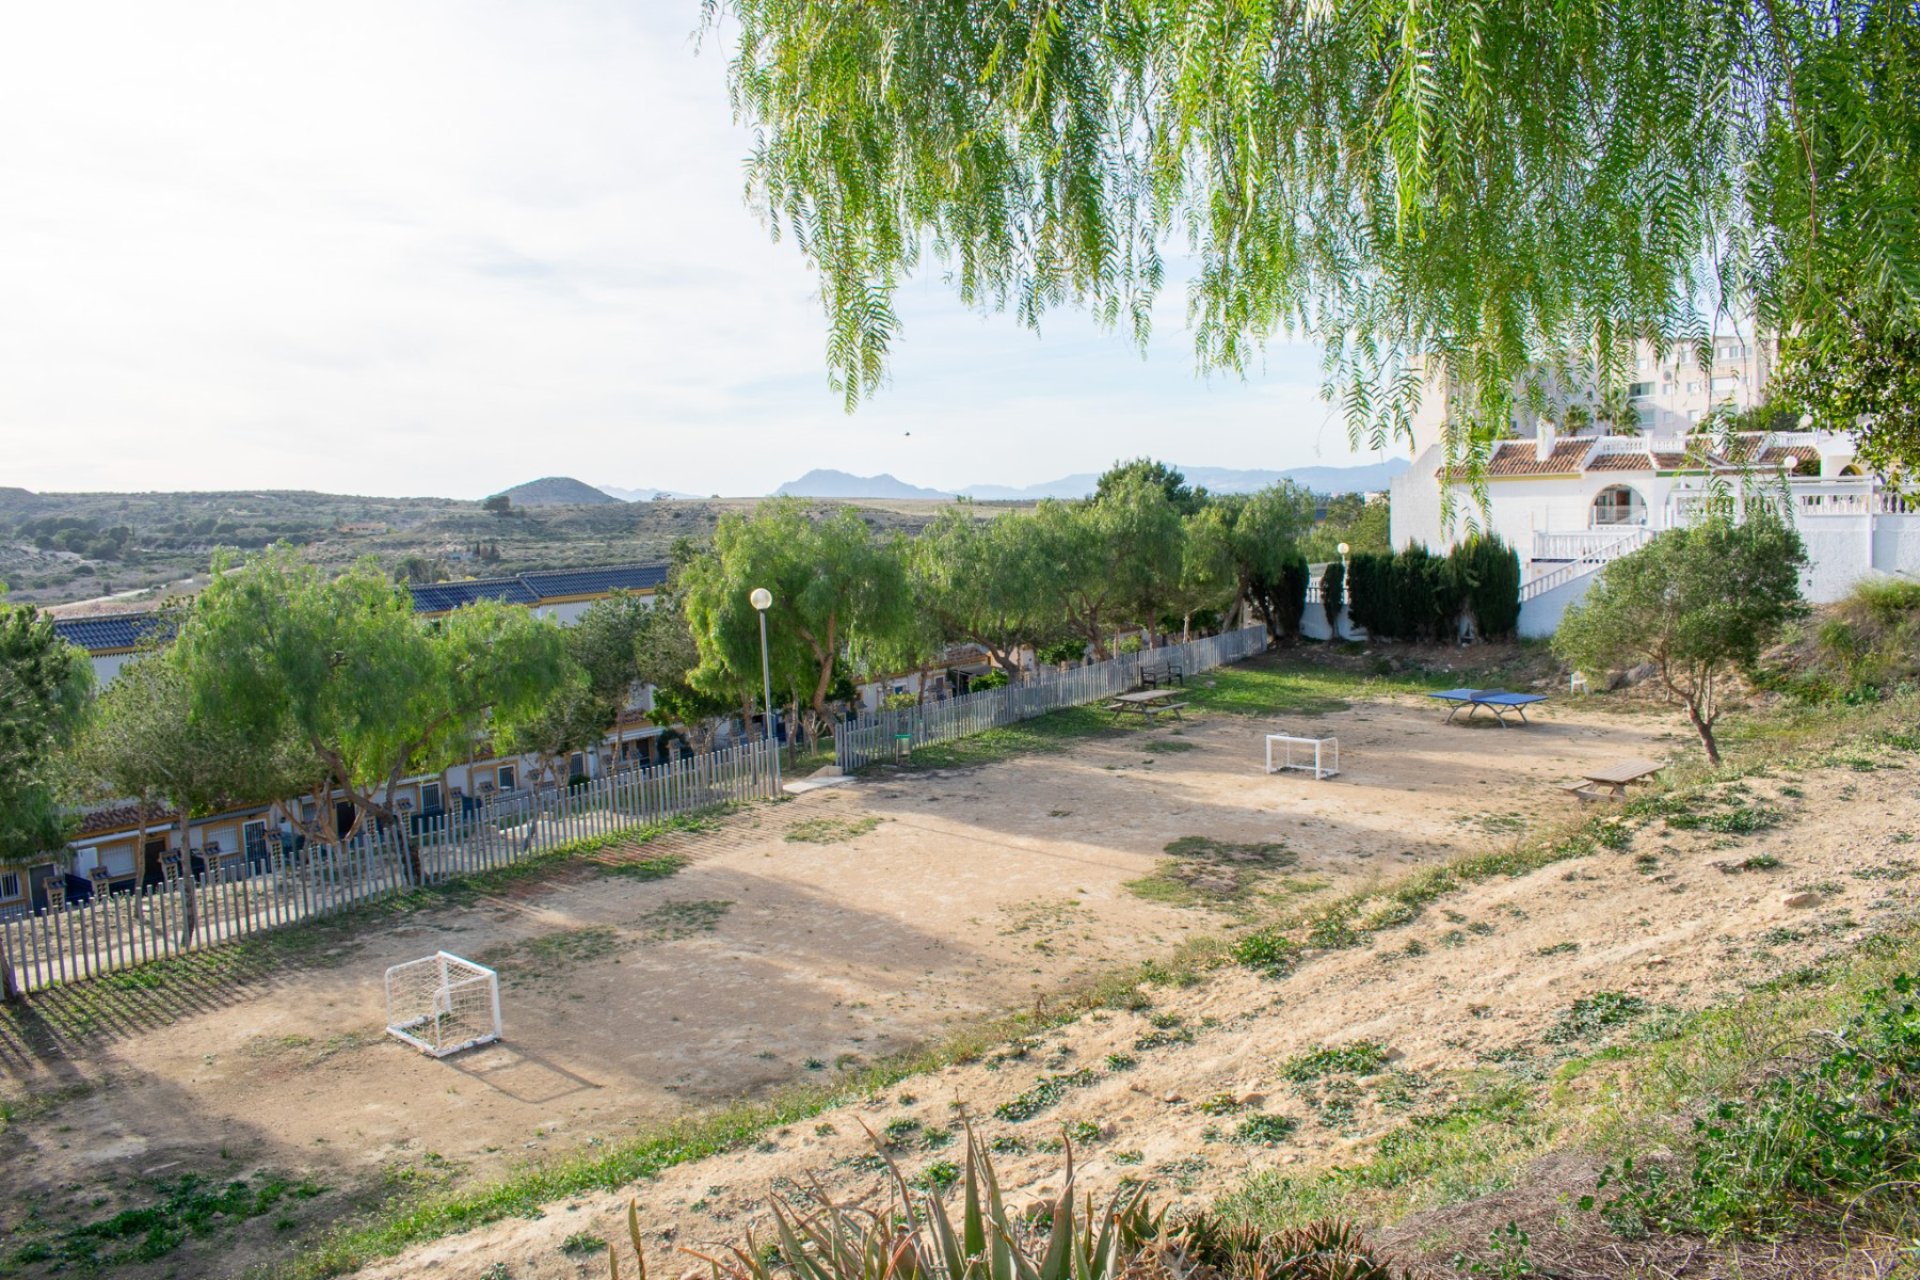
(1635, 461)
(1518, 458)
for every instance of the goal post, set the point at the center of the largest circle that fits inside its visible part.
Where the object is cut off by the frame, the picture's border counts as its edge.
(1318, 756)
(442, 1004)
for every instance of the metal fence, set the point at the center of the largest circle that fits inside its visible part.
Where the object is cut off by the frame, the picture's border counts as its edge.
(880, 735)
(111, 932)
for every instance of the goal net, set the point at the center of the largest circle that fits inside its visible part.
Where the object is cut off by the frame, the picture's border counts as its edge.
(443, 1004)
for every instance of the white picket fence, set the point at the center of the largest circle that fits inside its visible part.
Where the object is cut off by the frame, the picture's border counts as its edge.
(107, 933)
(881, 735)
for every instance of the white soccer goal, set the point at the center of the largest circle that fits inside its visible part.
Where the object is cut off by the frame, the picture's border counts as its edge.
(1321, 756)
(443, 1004)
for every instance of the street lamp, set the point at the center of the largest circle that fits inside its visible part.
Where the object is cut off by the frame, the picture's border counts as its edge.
(762, 600)
(1333, 621)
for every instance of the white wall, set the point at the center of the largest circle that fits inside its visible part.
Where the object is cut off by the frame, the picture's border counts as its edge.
(1414, 515)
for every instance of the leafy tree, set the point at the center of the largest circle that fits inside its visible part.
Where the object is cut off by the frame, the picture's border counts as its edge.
(1862, 369)
(831, 582)
(44, 687)
(499, 504)
(1697, 603)
(372, 692)
(1267, 529)
(1364, 526)
(1348, 171)
(1182, 496)
(1138, 541)
(147, 740)
(668, 659)
(991, 582)
(1209, 582)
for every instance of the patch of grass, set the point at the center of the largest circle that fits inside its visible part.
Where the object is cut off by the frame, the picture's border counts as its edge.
(1268, 951)
(1203, 871)
(582, 1244)
(1168, 746)
(550, 957)
(659, 867)
(830, 830)
(1593, 1016)
(1358, 1058)
(186, 1207)
(1566, 948)
(673, 921)
(1045, 1093)
(1264, 1130)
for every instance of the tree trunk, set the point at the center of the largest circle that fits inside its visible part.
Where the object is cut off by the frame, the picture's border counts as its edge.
(1705, 728)
(189, 892)
(10, 992)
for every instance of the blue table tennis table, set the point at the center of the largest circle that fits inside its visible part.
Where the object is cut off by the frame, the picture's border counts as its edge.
(1501, 703)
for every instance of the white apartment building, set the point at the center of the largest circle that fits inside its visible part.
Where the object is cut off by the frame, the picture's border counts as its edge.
(1569, 502)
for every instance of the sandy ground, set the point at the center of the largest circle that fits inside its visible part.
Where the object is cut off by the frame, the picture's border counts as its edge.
(937, 896)
(1495, 968)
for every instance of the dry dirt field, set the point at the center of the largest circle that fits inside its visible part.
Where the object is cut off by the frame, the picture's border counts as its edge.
(838, 927)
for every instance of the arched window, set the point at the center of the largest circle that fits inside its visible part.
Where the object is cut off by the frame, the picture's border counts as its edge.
(1618, 505)
(1852, 469)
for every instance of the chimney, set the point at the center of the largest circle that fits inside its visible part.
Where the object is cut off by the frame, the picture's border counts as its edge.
(1543, 441)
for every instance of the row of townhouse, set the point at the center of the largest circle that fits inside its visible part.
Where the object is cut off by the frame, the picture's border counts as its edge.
(117, 848)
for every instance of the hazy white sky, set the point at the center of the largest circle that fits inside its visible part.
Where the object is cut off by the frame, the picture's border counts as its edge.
(437, 248)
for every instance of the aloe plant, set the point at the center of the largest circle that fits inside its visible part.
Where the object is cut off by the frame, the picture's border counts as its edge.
(918, 1235)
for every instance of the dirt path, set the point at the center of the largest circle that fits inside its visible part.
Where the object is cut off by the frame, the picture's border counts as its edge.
(807, 937)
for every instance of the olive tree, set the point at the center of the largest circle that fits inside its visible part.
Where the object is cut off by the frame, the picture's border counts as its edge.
(1698, 604)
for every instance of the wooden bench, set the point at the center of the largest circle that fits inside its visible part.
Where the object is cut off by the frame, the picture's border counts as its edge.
(1161, 674)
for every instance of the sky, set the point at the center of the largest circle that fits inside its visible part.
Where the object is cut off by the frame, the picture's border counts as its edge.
(439, 249)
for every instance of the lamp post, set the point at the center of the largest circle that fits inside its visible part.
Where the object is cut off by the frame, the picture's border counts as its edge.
(762, 600)
(1346, 591)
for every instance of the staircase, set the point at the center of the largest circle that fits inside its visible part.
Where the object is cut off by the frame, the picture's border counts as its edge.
(1589, 558)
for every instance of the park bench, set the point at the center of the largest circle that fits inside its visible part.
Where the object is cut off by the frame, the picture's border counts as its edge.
(1160, 675)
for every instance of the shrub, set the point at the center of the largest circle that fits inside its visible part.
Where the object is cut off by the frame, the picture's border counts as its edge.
(1269, 951)
(1486, 580)
(1333, 582)
(1358, 1058)
(995, 679)
(1834, 1138)
(1290, 596)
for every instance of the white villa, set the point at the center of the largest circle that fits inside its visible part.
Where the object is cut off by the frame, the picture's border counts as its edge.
(1568, 504)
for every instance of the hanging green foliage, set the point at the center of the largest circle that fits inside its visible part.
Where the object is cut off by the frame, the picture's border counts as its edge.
(1484, 194)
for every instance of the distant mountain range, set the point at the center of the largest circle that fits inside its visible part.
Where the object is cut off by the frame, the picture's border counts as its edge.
(838, 484)
(1365, 478)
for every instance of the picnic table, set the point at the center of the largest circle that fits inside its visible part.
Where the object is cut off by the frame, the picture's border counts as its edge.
(1147, 703)
(1501, 703)
(1616, 775)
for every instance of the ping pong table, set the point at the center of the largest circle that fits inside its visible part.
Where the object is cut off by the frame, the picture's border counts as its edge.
(1501, 703)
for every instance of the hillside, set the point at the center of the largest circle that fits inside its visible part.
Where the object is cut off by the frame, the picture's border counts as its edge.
(556, 491)
(61, 547)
